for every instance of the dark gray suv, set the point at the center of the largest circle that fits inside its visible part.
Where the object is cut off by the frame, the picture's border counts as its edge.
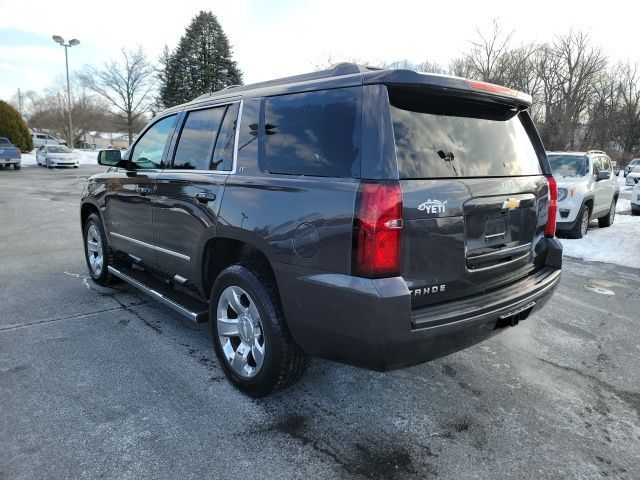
(381, 218)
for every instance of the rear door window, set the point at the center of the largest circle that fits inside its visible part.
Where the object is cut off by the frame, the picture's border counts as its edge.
(223, 152)
(197, 139)
(314, 133)
(438, 137)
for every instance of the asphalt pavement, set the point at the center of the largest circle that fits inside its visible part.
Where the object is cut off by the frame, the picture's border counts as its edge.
(106, 383)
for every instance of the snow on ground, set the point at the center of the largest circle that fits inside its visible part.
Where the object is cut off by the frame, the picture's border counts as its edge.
(87, 157)
(618, 244)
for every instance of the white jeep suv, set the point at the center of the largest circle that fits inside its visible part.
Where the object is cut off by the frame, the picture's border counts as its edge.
(587, 189)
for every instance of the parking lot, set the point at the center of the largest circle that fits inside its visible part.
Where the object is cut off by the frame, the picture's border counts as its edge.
(106, 383)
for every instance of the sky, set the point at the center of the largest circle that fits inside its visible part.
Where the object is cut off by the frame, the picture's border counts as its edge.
(275, 38)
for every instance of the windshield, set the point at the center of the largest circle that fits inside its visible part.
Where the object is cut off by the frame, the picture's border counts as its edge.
(58, 149)
(569, 165)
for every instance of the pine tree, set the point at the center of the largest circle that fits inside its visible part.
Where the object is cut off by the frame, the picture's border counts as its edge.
(201, 63)
(13, 127)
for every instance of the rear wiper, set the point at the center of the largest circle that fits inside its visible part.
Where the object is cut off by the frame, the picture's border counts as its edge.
(446, 156)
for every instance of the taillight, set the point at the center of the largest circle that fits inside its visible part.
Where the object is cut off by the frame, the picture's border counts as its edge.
(493, 88)
(550, 227)
(378, 230)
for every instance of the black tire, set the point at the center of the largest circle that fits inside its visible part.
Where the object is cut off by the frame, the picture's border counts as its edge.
(17, 166)
(103, 277)
(284, 362)
(607, 221)
(635, 212)
(577, 230)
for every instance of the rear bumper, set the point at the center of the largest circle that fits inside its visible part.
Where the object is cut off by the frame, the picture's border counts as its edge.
(369, 323)
(10, 161)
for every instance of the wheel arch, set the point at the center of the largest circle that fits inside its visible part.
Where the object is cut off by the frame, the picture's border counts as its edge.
(222, 252)
(86, 209)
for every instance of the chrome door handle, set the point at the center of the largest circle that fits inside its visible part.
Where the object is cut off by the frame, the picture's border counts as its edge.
(203, 197)
(143, 190)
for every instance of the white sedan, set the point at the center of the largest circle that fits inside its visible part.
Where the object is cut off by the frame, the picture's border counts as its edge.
(56, 156)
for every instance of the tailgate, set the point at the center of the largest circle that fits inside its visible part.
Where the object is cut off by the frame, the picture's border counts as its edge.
(475, 200)
(481, 234)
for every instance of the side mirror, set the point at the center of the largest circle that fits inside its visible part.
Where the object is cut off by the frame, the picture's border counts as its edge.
(603, 175)
(109, 158)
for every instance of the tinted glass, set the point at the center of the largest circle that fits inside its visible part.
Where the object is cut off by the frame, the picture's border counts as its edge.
(197, 138)
(147, 153)
(315, 133)
(5, 141)
(569, 165)
(460, 140)
(248, 135)
(223, 153)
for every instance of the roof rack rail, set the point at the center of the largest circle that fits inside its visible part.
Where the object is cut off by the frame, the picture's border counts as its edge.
(596, 151)
(334, 70)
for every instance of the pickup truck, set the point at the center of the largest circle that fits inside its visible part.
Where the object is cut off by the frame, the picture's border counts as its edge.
(9, 153)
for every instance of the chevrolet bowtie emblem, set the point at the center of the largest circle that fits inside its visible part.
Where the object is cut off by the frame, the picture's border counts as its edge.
(511, 204)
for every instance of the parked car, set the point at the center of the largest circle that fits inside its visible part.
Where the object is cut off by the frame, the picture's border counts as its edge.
(587, 190)
(631, 165)
(633, 176)
(9, 154)
(381, 218)
(635, 199)
(56, 156)
(40, 139)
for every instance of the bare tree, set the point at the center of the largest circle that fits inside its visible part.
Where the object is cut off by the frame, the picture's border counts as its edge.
(629, 125)
(569, 68)
(127, 86)
(485, 61)
(49, 111)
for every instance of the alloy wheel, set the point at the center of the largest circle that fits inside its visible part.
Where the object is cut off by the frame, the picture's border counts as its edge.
(585, 222)
(94, 250)
(240, 331)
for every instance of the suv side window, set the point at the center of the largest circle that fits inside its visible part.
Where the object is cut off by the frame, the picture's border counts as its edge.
(148, 150)
(223, 153)
(314, 133)
(597, 165)
(197, 139)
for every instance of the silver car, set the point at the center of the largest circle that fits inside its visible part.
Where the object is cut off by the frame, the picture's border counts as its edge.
(633, 177)
(587, 190)
(56, 156)
(631, 165)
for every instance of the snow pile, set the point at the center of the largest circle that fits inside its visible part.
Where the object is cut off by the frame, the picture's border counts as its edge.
(618, 244)
(86, 157)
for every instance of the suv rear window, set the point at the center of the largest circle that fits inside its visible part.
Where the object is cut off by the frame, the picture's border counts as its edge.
(438, 137)
(314, 133)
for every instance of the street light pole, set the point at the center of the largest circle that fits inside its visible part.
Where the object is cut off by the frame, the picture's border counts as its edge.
(72, 43)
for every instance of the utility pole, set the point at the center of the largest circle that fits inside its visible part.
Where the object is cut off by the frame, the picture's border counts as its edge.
(72, 43)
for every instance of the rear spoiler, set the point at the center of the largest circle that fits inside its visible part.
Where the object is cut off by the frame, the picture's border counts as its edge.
(445, 84)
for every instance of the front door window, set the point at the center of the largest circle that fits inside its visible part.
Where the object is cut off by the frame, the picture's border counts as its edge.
(148, 151)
